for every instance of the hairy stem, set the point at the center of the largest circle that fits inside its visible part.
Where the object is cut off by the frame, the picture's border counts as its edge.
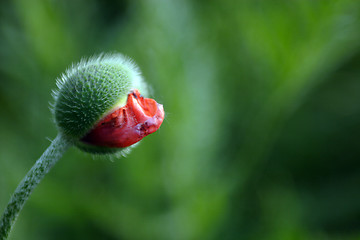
(42, 166)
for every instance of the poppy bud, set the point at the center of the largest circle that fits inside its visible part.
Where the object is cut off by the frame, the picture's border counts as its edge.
(99, 107)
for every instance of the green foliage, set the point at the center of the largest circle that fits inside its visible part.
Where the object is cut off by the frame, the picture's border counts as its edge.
(260, 139)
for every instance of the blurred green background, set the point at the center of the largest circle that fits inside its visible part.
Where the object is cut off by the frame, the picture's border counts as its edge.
(261, 137)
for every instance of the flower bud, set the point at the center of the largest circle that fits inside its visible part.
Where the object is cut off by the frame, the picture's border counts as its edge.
(98, 105)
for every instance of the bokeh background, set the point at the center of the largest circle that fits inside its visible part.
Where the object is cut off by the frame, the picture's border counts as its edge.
(261, 138)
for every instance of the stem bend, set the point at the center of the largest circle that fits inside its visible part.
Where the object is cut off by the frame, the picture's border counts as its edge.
(42, 166)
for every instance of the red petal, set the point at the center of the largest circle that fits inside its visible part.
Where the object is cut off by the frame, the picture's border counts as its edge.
(129, 124)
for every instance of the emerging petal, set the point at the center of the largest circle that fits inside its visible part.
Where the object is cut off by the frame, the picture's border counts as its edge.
(128, 124)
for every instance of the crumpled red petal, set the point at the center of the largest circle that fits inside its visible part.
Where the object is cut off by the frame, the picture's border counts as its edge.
(128, 124)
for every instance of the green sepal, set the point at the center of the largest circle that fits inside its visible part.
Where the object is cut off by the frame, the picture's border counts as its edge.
(91, 89)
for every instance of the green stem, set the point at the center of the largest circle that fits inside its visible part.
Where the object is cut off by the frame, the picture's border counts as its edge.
(42, 166)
